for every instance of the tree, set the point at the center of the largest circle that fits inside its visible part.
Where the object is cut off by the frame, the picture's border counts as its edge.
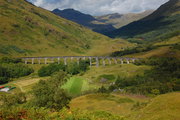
(50, 69)
(73, 68)
(49, 93)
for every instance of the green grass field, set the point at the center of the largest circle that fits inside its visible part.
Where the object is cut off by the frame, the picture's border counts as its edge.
(76, 86)
(91, 80)
(125, 70)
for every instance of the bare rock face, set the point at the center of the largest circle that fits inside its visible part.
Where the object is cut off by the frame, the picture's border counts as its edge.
(119, 20)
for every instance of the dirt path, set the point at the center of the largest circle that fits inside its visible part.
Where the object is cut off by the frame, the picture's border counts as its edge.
(23, 83)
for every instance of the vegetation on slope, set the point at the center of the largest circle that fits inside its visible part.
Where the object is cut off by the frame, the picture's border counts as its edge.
(161, 25)
(27, 30)
(162, 78)
(12, 68)
(163, 107)
(84, 19)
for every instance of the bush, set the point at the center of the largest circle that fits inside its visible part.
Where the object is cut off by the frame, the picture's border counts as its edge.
(50, 69)
(74, 68)
(3, 80)
(11, 70)
(155, 92)
(103, 90)
(15, 70)
(9, 100)
(49, 94)
(162, 78)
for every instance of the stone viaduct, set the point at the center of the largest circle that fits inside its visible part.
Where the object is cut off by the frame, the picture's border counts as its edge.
(65, 59)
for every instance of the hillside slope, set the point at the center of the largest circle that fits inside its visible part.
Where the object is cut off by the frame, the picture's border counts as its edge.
(163, 24)
(84, 19)
(163, 107)
(119, 20)
(26, 30)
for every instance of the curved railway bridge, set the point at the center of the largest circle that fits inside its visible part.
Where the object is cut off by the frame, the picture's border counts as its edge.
(65, 59)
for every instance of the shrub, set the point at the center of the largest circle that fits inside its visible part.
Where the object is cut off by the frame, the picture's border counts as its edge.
(49, 94)
(74, 68)
(9, 100)
(102, 90)
(3, 80)
(16, 70)
(155, 92)
(162, 78)
(50, 69)
(8, 71)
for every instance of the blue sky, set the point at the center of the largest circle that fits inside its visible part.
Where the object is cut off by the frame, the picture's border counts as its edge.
(101, 7)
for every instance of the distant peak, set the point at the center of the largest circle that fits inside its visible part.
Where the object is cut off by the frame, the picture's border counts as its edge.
(56, 10)
(69, 9)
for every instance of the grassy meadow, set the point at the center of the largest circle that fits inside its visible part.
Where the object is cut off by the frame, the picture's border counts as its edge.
(27, 30)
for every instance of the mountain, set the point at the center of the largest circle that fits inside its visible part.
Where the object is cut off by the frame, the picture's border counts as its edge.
(119, 20)
(84, 19)
(162, 24)
(26, 30)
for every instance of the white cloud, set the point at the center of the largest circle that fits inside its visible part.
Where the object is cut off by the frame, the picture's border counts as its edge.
(99, 7)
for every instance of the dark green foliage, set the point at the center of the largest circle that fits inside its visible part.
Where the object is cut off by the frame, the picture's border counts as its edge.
(16, 70)
(3, 80)
(162, 78)
(9, 100)
(50, 69)
(72, 68)
(10, 60)
(10, 48)
(84, 65)
(103, 90)
(138, 49)
(49, 94)
(176, 46)
(8, 71)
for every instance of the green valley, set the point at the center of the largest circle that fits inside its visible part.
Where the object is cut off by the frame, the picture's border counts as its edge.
(54, 69)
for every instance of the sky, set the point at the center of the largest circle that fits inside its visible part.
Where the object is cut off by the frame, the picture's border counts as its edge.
(101, 7)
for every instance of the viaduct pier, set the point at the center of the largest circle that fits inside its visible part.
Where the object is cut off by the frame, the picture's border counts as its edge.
(92, 59)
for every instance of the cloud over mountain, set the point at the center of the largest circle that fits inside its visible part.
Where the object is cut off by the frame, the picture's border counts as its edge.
(99, 7)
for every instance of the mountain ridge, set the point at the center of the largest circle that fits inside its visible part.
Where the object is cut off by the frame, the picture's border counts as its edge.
(83, 19)
(119, 20)
(155, 26)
